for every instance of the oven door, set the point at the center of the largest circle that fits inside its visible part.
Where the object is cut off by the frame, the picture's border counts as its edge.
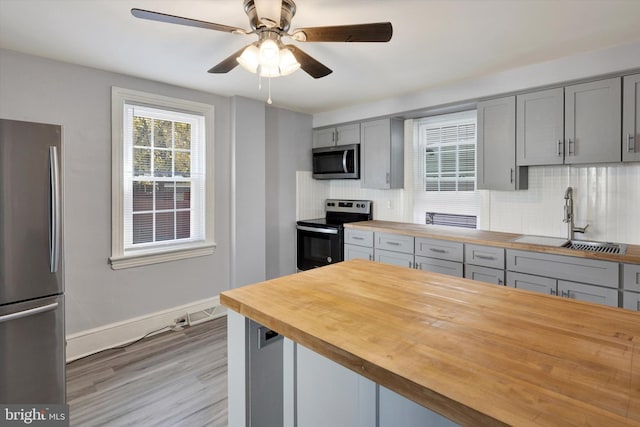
(319, 246)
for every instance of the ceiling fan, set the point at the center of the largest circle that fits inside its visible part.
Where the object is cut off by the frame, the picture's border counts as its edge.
(270, 20)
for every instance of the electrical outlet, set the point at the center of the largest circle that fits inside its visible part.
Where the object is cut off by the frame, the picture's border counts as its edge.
(181, 321)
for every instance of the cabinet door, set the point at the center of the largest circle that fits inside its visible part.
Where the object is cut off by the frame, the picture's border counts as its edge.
(540, 128)
(631, 301)
(348, 134)
(395, 258)
(324, 137)
(496, 150)
(631, 277)
(631, 118)
(544, 285)
(357, 252)
(375, 152)
(395, 410)
(484, 274)
(441, 249)
(328, 394)
(593, 120)
(439, 266)
(591, 293)
(486, 256)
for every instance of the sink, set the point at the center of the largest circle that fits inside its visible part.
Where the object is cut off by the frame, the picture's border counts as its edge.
(601, 247)
(542, 240)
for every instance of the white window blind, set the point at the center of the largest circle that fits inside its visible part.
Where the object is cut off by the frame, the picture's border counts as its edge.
(445, 165)
(163, 177)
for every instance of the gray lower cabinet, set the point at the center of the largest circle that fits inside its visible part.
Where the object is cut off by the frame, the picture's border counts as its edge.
(395, 258)
(395, 410)
(394, 242)
(357, 252)
(593, 120)
(496, 146)
(358, 237)
(540, 128)
(484, 274)
(382, 154)
(529, 282)
(631, 118)
(439, 266)
(631, 301)
(587, 292)
(631, 277)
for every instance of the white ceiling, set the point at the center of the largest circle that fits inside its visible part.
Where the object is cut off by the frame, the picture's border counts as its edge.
(435, 42)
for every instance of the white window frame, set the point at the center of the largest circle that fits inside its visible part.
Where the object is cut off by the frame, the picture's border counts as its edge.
(121, 257)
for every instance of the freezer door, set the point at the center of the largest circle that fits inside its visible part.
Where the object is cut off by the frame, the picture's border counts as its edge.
(30, 211)
(32, 355)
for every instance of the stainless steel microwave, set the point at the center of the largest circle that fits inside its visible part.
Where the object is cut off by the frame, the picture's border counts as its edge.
(337, 162)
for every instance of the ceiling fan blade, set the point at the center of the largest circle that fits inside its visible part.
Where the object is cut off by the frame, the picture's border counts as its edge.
(309, 64)
(374, 32)
(269, 12)
(227, 64)
(172, 19)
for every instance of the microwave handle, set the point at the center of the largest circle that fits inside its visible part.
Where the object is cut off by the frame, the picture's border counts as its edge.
(344, 161)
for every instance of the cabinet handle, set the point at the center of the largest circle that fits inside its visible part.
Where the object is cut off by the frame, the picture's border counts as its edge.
(511, 178)
(485, 257)
(440, 251)
(565, 294)
(500, 282)
(631, 145)
(357, 238)
(388, 177)
(559, 148)
(410, 264)
(370, 257)
(638, 305)
(574, 147)
(553, 291)
(393, 243)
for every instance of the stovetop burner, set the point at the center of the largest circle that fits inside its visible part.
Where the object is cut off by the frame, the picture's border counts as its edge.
(339, 212)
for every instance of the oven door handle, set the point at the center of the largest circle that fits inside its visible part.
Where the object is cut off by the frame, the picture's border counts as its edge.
(317, 230)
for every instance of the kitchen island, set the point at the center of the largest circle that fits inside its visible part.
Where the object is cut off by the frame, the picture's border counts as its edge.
(475, 353)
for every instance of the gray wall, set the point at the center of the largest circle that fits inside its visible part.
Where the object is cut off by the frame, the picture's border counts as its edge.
(79, 99)
(288, 149)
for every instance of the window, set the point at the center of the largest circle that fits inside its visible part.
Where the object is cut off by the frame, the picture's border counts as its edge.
(445, 168)
(162, 194)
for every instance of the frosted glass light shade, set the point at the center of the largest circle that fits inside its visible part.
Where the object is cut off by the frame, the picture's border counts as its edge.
(249, 58)
(269, 55)
(288, 62)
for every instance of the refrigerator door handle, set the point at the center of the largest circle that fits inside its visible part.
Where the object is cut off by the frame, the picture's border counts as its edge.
(55, 216)
(29, 312)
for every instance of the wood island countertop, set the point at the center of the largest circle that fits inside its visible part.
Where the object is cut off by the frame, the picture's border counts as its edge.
(477, 353)
(489, 238)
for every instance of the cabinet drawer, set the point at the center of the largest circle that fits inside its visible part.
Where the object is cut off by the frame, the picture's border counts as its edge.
(395, 258)
(484, 274)
(357, 252)
(590, 293)
(487, 256)
(441, 249)
(394, 242)
(451, 268)
(631, 277)
(603, 273)
(631, 301)
(529, 282)
(358, 237)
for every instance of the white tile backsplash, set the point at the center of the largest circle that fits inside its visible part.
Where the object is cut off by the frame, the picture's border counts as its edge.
(606, 197)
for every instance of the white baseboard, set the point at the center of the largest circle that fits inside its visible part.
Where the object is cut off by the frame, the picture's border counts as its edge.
(94, 340)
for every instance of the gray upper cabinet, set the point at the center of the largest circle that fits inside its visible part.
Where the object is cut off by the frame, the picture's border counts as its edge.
(496, 150)
(382, 154)
(540, 128)
(631, 119)
(336, 135)
(593, 120)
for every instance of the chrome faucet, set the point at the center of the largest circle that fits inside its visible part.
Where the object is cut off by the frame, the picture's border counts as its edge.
(568, 215)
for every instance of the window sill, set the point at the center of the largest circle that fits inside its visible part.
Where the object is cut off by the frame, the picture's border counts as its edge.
(156, 257)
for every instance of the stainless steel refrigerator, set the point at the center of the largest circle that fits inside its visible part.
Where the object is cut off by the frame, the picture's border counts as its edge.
(32, 340)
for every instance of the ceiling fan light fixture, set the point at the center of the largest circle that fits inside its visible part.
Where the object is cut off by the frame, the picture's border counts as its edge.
(269, 55)
(250, 58)
(288, 62)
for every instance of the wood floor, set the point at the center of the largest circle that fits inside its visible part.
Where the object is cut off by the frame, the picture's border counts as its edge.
(177, 378)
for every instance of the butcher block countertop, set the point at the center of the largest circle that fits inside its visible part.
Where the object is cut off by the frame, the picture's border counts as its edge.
(489, 238)
(477, 353)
